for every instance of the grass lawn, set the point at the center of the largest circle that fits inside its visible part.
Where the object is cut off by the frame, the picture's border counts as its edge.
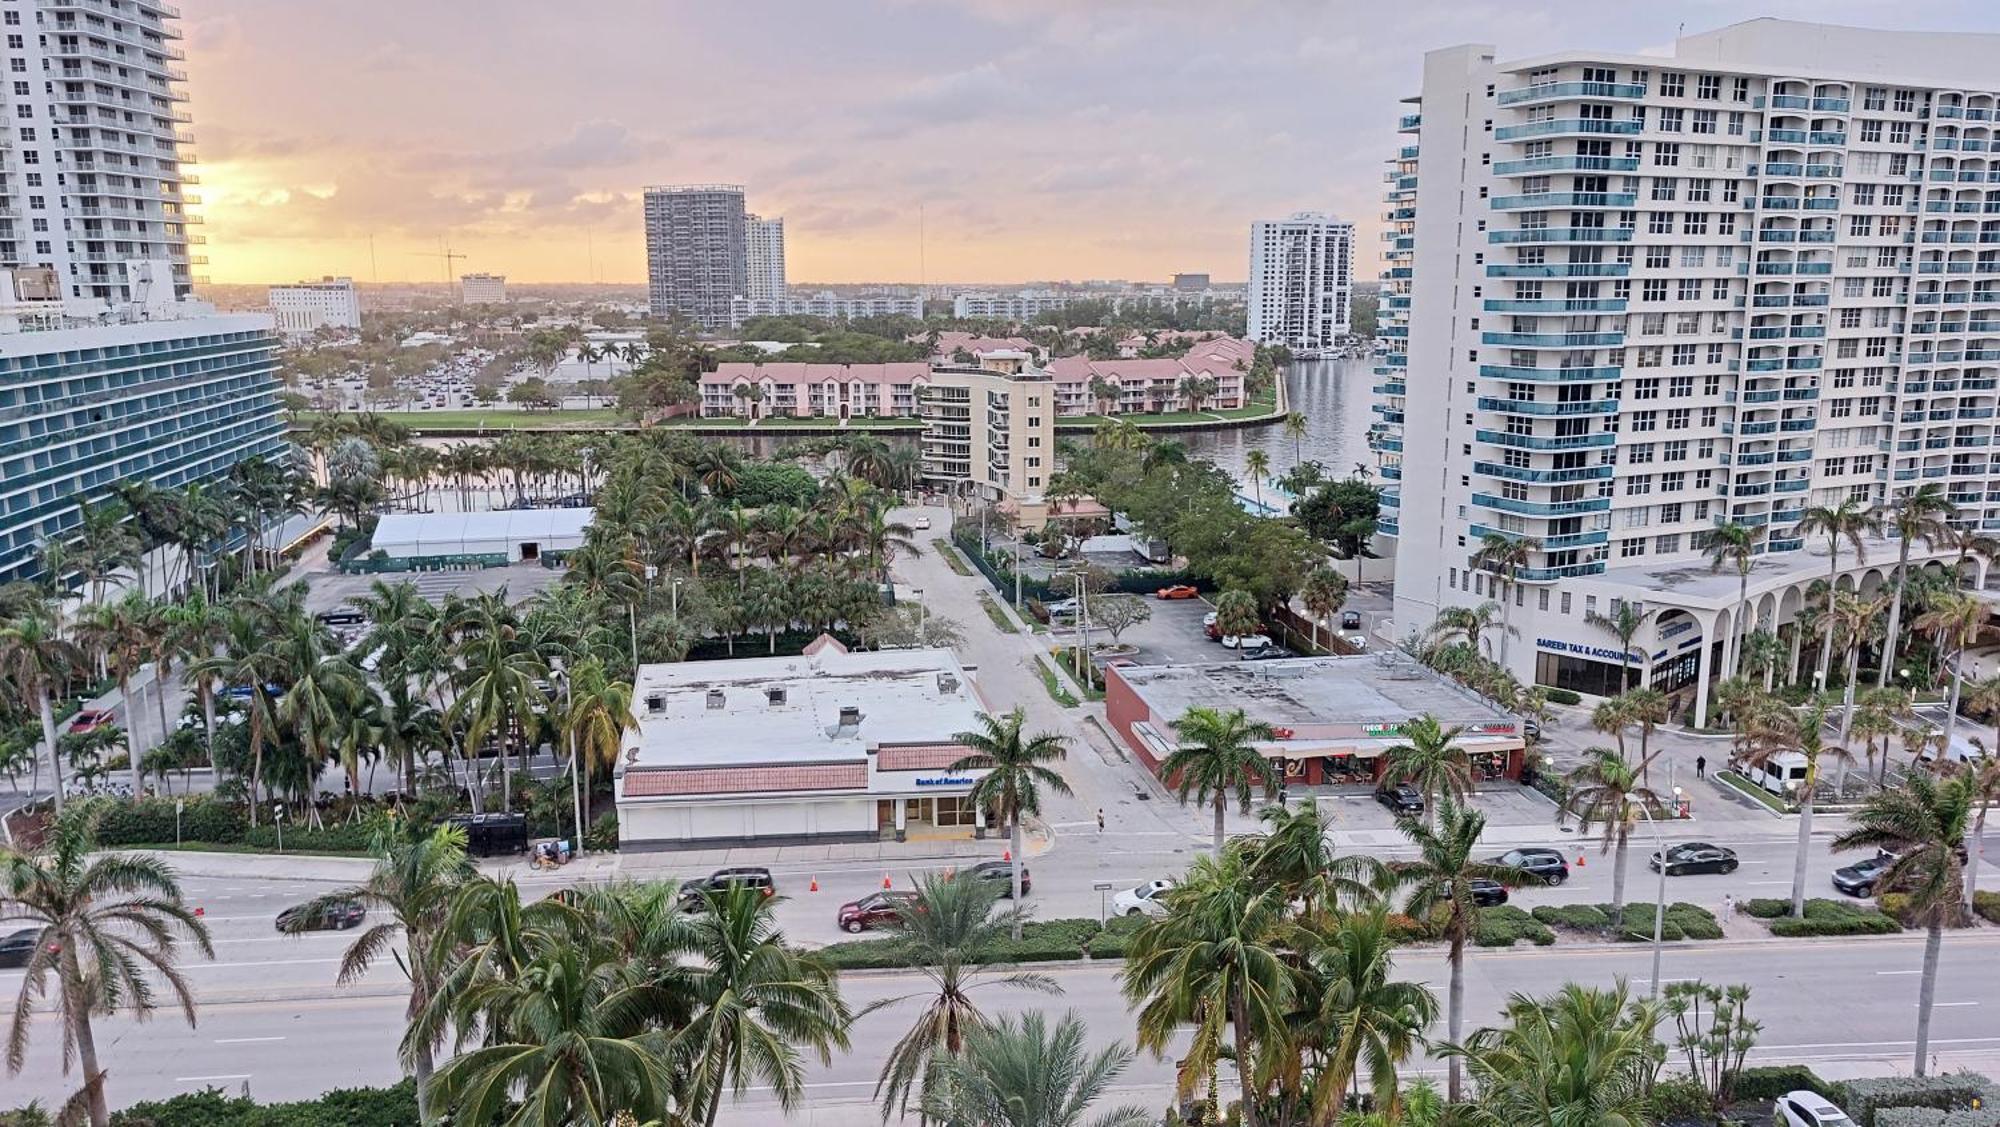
(1057, 693)
(950, 556)
(1744, 786)
(994, 612)
(1262, 406)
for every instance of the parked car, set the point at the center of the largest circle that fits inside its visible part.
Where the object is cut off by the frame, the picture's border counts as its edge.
(1355, 641)
(722, 880)
(1209, 628)
(1487, 893)
(16, 949)
(90, 719)
(1177, 591)
(1245, 641)
(1002, 872)
(1145, 900)
(1400, 797)
(1350, 620)
(876, 909)
(1695, 857)
(1061, 608)
(1263, 653)
(921, 523)
(1860, 878)
(1808, 1109)
(337, 915)
(1545, 865)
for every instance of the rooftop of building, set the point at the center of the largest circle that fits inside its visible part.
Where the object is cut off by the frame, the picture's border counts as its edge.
(396, 529)
(1694, 581)
(1221, 354)
(790, 710)
(1799, 48)
(791, 371)
(1307, 691)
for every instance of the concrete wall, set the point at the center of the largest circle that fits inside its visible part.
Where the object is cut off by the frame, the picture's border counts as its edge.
(653, 822)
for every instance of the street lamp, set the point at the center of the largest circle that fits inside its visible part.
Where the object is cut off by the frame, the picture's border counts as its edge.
(917, 593)
(1660, 900)
(561, 677)
(674, 596)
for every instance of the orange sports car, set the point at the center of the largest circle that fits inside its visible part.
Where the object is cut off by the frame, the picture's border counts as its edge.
(1177, 591)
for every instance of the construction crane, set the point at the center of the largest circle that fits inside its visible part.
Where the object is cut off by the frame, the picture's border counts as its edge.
(445, 253)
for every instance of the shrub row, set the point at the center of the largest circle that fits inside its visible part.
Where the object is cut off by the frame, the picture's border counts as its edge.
(1862, 1099)
(1683, 920)
(1824, 917)
(1041, 941)
(208, 821)
(1932, 1117)
(348, 1107)
(1562, 696)
(1987, 905)
(1769, 1081)
(1505, 925)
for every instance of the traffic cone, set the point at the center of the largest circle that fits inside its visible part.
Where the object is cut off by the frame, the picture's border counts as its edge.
(885, 881)
(814, 886)
(1006, 855)
(1579, 860)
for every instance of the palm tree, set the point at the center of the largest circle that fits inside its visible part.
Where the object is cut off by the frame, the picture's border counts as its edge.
(1017, 770)
(1216, 756)
(1967, 542)
(37, 660)
(598, 716)
(496, 683)
(1923, 823)
(1296, 856)
(1625, 621)
(1982, 780)
(1258, 465)
(1924, 513)
(948, 926)
(1295, 429)
(1030, 1075)
(1237, 613)
(249, 662)
(1605, 790)
(1804, 732)
(120, 633)
(109, 929)
(1582, 1056)
(1503, 557)
(1956, 621)
(1845, 522)
(1324, 593)
(323, 687)
(1431, 758)
(1440, 881)
(1213, 962)
(1735, 545)
(195, 629)
(1368, 1019)
(757, 1002)
(1470, 623)
(1854, 618)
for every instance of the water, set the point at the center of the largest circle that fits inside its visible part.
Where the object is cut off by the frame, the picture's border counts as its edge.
(1333, 395)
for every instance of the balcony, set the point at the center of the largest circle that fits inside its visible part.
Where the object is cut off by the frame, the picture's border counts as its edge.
(1548, 375)
(1549, 408)
(1554, 340)
(1566, 571)
(1564, 91)
(1559, 270)
(1561, 126)
(1549, 543)
(1542, 476)
(1556, 305)
(1542, 508)
(1562, 235)
(1546, 441)
(1786, 136)
(1569, 163)
(1565, 199)
(1829, 139)
(1830, 105)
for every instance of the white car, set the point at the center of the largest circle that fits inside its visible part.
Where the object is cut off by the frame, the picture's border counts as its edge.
(1245, 641)
(1808, 1109)
(921, 523)
(1144, 900)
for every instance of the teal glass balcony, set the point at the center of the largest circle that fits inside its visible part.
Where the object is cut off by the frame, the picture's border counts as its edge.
(1559, 270)
(1386, 526)
(1795, 425)
(1790, 102)
(1543, 476)
(1392, 471)
(1795, 455)
(1542, 508)
(1786, 136)
(1822, 203)
(1779, 203)
(1753, 428)
(1762, 395)
(1784, 168)
(1549, 543)
(1825, 172)
(1548, 407)
(1814, 268)
(1409, 121)
(1564, 91)
(1828, 138)
(1830, 105)
(1565, 199)
(1556, 305)
(1549, 375)
(1566, 571)
(1788, 545)
(1801, 394)
(1774, 267)
(1566, 125)
(1554, 340)
(1533, 166)
(1791, 485)
(1397, 388)
(1561, 235)
(1545, 441)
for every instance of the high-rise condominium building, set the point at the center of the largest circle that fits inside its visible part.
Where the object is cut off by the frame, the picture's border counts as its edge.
(696, 251)
(765, 250)
(1631, 299)
(482, 289)
(93, 167)
(303, 308)
(1301, 281)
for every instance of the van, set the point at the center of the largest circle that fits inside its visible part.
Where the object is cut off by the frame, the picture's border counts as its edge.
(1782, 774)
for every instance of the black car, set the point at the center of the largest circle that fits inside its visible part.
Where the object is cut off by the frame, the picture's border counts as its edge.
(1695, 857)
(1400, 797)
(337, 915)
(1350, 620)
(1487, 893)
(1002, 874)
(15, 949)
(1860, 878)
(1545, 865)
(722, 880)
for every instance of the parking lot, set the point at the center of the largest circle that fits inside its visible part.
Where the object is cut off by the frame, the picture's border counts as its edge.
(327, 590)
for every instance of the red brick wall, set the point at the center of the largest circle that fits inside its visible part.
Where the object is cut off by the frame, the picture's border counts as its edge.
(1123, 708)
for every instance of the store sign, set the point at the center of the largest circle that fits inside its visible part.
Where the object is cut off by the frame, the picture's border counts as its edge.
(944, 781)
(1381, 729)
(1585, 651)
(1675, 630)
(1496, 728)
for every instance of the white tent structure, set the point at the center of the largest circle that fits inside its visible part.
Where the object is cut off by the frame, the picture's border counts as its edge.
(489, 539)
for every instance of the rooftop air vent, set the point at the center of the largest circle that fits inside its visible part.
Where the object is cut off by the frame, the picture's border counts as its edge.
(850, 716)
(656, 703)
(715, 698)
(775, 695)
(947, 684)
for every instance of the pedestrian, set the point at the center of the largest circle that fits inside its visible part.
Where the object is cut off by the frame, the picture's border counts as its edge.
(1728, 907)
(1100, 819)
(1701, 766)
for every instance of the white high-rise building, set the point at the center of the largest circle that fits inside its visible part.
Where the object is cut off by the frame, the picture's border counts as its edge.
(1633, 298)
(764, 242)
(93, 161)
(303, 308)
(483, 289)
(1301, 281)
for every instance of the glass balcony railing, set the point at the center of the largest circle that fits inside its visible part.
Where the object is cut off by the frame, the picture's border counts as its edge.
(1542, 508)
(1554, 340)
(1559, 126)
(1543, 476)
(1558, 270)
(1548, 408)
(1545, 441)
(1561, 235)
(1566, 571)
(1565, 199)
(1554, 543)
(1563, 91)
(1548, 375)
(1568, 163)
(1556, 305)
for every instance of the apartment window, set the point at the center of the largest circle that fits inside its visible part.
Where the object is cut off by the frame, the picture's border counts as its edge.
(15, 42)
(1708, 87)
(1875, 98)
(1646, 388)
(1667, 154)
(1708, 416)
(1694, 258)
(1698, 190)
(1736, 123)
(1678, 418)
(1659, 223)
(1899, 133)
(1664, 187)
(1741, 91)
(1694, 223)
(1703, 121)
(1542, 598)
(1671, 120)
(1673, 84)
(1639, 485)
(1906, 101)
(1871, 130)
(1836, 467)
(1675, 451)
(1630, 548)
(1564, 602)
(1639, 454)
(1645, 421)
(1653, 289)
(1670, 513)
(1681, 387)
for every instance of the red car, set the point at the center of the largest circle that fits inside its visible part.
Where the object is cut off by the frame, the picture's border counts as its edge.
(90, 719)
(1177, 591)
(874, 910)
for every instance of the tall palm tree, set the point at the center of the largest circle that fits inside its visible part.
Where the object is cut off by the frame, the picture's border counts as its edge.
(121, 634)
(1921, 514)
(1370, 1021)
(1295, 429)
(1582, 1056)
(248, 661)
(1017, 771)
(1503, 557)
(758, 1001)
(1803, 732)
(497, 684)
(1216, 756)
(1470, 623)
(1956, 623)
(321, 687)
(1854, 619)
(949, 925)
(37, 660)
(1431, 757)
(1982, 781)
(1296, 856)
(1324, 593)
(1031, 1075)
(598, 716)
(1625, 621)
(1213, 962)
(1257, 464)
(1846, 522)
(109, 929)
(1735, 545)
(1923, 823)
(1606, 791)
(1440, 882)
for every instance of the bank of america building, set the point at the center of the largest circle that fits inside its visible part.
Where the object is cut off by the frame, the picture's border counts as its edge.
(1629, 298)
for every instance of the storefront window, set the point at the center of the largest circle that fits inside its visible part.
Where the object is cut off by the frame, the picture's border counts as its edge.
(956, 812)
(1579, 674)
(1677, 672)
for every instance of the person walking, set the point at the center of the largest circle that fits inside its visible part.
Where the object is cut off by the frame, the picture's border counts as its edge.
(1728, 908)
(1701, 766)
(1100, 819)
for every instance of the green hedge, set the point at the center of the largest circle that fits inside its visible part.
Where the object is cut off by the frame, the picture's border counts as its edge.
(1949, 1093)
(1562, 696)
(1769, 1081)
(1505, 925)
(1115, 937)
(1932, 1117)
(208, 821)
(1830, 917)
(1042, 941)
(1987, 905)
(347, 1107)
(1582, 917)
(1683, 920)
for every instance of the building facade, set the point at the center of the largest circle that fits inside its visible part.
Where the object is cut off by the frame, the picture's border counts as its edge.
(1631, 298)
(482, 289)
(989, 428)
(178, 397)
(764, 250)
(1131, 386)
(828, 391)
(1301, 282)
(826, 303)
(303, 308)
(697, 251)
(1020, 305)
(95, 161)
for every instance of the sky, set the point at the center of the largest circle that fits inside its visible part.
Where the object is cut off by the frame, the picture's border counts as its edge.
(1027, 139)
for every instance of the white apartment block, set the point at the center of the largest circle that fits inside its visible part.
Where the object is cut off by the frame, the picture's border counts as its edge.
(1017, 306)
(482, 289)
(764, 246)
(1630, 298)
(303, 308)
(93, 164)
(826, 303)
(1301, 281)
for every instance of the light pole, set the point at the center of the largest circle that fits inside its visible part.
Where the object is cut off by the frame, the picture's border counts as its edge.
(569, 744)
(1659, 901)
(674, 596)
(1017, 571)
(917, 593)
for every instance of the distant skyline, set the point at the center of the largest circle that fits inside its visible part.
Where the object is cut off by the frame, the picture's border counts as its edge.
(1041, 138)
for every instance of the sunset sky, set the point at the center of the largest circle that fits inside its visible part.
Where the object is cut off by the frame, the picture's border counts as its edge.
(1042, 138)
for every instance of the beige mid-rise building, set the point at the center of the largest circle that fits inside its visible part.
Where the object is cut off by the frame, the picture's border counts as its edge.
(990, 428)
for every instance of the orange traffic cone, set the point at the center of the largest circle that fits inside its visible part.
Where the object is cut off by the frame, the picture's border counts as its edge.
(885, 880)
(1006, 855)
(1579, 860)
(814, 886)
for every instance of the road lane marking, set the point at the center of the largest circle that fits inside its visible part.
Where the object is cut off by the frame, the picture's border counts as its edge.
(1941, 1005)
(245, 1040)
(1899, 972)
(258, 963)
(206, 1079)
